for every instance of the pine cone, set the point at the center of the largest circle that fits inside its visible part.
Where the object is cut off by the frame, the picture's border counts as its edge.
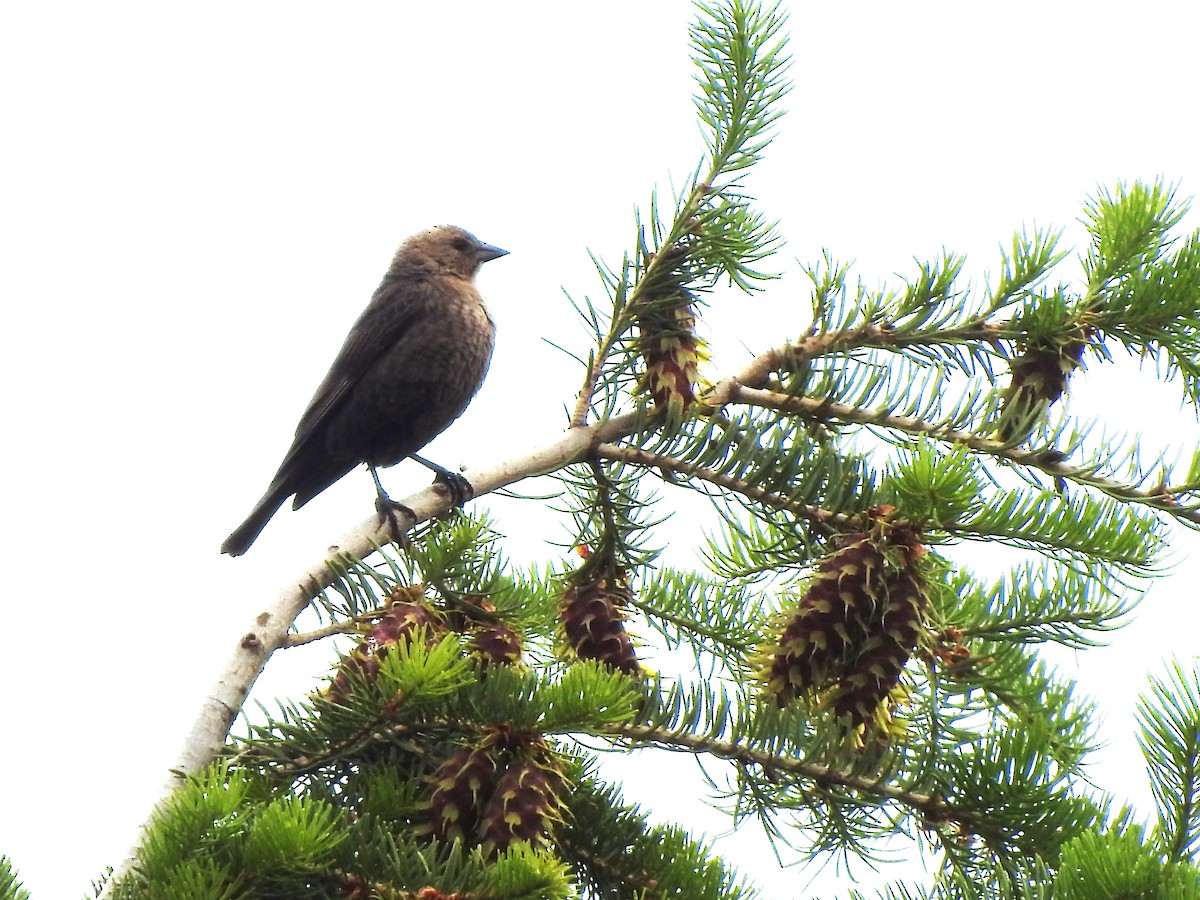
(668, 343)
(401, 622)
(460, 786)
(1039, 379)
(874, 673)
(856, 626)
(830, 624)
(528, 800)
(497, 644)
(432, 893)
(592, 619)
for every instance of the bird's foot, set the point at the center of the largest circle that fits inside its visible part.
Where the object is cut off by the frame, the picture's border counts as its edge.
(398, 518)
(456, 486)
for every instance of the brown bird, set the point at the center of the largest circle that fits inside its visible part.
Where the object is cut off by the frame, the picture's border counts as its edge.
(409, 367)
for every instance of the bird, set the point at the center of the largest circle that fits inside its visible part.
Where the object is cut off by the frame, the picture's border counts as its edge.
(410, 365)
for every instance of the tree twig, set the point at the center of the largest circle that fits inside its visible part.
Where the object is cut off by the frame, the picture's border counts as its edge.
(637, 456)
(1160, 498)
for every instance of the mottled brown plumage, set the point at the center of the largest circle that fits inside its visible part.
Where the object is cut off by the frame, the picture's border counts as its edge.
(409, 367)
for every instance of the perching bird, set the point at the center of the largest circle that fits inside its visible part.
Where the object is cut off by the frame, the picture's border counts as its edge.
(409, 367)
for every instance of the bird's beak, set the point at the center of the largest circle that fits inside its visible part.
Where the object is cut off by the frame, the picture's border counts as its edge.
(486, 253)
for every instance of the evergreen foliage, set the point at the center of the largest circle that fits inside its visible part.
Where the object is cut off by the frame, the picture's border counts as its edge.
(10, 888)
(854, 682)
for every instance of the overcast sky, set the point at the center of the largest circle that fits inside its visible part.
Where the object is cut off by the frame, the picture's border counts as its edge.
(198, 199)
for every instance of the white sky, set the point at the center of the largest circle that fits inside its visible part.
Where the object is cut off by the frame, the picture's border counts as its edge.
(197, 200)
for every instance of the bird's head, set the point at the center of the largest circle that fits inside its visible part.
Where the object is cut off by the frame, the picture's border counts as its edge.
(450, 248)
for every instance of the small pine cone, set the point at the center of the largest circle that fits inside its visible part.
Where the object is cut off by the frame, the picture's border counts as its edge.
(875, 672)
(592, 619)
(401, 622)
(1039, 379)
(358, 662)
(672, 351)
(831, 622)
(497, 644)
(528, 800)
(460, 786)
(903, 544)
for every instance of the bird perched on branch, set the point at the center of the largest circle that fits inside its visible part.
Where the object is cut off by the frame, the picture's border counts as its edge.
(409, 367)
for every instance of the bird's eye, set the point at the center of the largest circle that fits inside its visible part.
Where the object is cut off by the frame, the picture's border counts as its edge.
(462, 245)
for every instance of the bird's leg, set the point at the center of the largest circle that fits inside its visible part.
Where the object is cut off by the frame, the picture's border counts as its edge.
(459, 489)
(388, 508)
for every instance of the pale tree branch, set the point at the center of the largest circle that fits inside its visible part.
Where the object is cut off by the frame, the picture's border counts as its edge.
(269, 631)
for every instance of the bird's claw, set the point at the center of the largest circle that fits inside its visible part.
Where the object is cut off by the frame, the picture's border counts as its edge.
(389, 511)
(456, 486)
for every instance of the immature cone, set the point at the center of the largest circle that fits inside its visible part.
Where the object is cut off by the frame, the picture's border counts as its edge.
(668, 343)
(497, 644)
(592, 616)
(403, 621)
(461, 785)
(832, 622)
(876, 670)
(527, 802)
(1039, 379)
(854, 629)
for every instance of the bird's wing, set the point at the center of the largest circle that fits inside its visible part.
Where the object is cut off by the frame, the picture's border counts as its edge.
(382, 325)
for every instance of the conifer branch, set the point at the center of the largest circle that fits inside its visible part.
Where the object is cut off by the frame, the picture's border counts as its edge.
(641, 881)
(757, 373)
(741, 64)
(1162, 498)
(666, 464)
(350, 625)
(932, 808)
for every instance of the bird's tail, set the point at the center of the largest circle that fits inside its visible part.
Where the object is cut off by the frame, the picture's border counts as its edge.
(241, 539)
